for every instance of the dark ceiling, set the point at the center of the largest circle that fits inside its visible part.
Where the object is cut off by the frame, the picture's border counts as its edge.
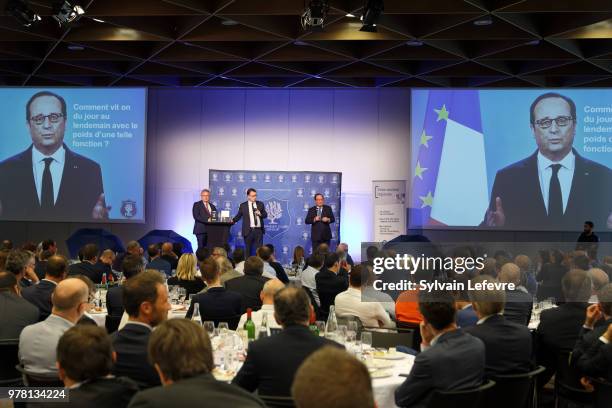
(543, 43)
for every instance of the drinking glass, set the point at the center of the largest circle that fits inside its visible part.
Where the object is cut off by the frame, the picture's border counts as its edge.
(366, 340)
(223, 327)
(321, 327)
(342, 329)
(209, 326)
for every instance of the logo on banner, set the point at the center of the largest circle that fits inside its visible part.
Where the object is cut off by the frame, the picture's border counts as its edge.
(285, 250)
(326, 193)
(234, 191)
(306, 207)
(215, 203)
(281, 178)
(254, 178)
(338, 193)
(298, 221)
(228, 177)
(215, 177)
(300, 192)
(321, 179)
(240, 178)
(294, 178)
(333, 207)
(313, 192)
(228, 205)
(221, 191)
(305, 236)
(128, 208)
(334, 179)
(307, 178)
(278, 216)
(267, 178)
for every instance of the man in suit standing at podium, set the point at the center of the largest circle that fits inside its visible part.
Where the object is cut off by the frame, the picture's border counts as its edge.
(202, 212)
(320, 216)
(254, 213)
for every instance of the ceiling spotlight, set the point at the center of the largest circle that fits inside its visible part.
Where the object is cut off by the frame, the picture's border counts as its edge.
(98, 20)
(414, 43)
(67, 13)
(371, 13)
(485, 21)
(20, 10)
(314, 15)
(229, 23)
(75, 47)
(350, 15)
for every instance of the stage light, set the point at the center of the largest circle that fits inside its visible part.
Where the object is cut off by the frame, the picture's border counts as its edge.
(20, 10)
(414, 43)
(350, 15)
(371, 13)
(67, 13)
(314, 15)
(485, 21)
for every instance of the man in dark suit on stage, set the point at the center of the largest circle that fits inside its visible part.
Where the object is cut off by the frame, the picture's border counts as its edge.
(320, 216)
(48, 181)
(202, 212)
(253, 230)
(555, 187)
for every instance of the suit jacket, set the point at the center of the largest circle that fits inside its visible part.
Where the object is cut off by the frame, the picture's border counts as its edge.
(518, 186)
(40, 296)
(329, 285)
(92, 271)
(466, 317)
(190, 286)
(243, 212)
(587, 347)
(431, 370)
(196, 391)
(172, 260)
(280, 271)
(272, 362)
(507, 345)
(103, 393)
(249, 287)
(518, 306)
(79, 190)
(15, 314)
(215, 303)
(320, 230)
(38, 343)
(597, 361)
(161, 265)
(114, 301)
(41, 269)
(550, 281)
(200, 216)
(131, 345)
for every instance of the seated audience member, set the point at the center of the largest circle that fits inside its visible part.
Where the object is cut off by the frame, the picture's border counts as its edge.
(186, 275)
(182, 355)
(351, 386)
(581, 261)
(40, 294)
(157, 262)
(41, 264)
(298, 260)
(226, 269)
(507, 344)
(330, 282)
(238, 258)
(560, 327)
(600, 279)
(369, 294)
(145, 299)
(550, 275)
(597, 320)
(21, 263)
(132, 248)
(217, 302)
(167, 254)
(606, 265)
(350, 302)
(407, 309)
(443, 346)
(38, 342)
(278, 268)
(3, 255)
(466, 316)
(84, 361)
(105, 265)
(270, 289)
(7, 245)
(263, 370)
(131, 266)
(218, 252)
(307, 277)
(597, 361)
(15, 312)
(264, 253)
(88, 266)
(250, 285)
(343, 247)
(518, 301)
(528, 279)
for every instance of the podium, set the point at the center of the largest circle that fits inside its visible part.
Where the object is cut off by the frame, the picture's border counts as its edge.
(218, 234)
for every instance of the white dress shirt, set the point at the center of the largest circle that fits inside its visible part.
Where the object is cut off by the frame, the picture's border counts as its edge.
(240, 267)
(257, 317)
(349, 302)
(253, 218)
(268, 271)
(38, 344)
(307, 276)
(56, 168)
(565, 174)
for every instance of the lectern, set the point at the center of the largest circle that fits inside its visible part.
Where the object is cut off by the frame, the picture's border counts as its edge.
(218, 233)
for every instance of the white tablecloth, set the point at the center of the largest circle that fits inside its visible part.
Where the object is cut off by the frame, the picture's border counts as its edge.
(100, 317)
(384, 388)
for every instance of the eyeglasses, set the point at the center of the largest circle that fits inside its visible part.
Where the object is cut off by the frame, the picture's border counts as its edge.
(40, 119)
(561, 121)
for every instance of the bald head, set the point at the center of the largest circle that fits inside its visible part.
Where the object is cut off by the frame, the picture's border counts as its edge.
(69, 295)
(510, 273)
(270, 288)
(107, 257)
(599, 278)
(523, 262)
(166, 248)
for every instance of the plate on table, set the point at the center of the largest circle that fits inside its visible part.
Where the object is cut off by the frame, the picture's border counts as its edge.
(381, 374)
(179, 308)
(223, 375)
(379, 364)
(384, 355)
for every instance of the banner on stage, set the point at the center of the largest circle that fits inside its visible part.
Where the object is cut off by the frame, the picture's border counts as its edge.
(389, 209)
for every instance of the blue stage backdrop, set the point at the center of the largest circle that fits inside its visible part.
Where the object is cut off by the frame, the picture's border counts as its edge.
(287, 197)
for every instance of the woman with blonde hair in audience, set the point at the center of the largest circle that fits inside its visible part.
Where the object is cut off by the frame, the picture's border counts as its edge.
(186, 274)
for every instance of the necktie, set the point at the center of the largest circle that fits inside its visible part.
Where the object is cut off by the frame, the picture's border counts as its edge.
(555, 202)
(208, 208)
(46, 195)
(319, 211)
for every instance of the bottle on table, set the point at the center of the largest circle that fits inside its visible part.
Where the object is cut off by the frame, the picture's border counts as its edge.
(263, 329)
(312, 324)
(332, 322)
(196, 317)
(249, 325)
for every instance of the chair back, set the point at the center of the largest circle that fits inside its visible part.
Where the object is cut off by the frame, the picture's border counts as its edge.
(39, 380)
(345, 319)
(470, 398)
(513, 390)
(9, 375)
(603, 393)
(112, 323)
(416, 337)
(277, 402)
(386, 338)
(567, 382)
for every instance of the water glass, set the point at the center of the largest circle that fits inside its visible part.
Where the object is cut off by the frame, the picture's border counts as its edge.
(321, 327)
(209, 326)
(366, 340)
(342, 329)
(223, 328)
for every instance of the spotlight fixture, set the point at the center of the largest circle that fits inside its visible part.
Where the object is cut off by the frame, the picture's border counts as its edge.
(371, 13)
(485, 21)
(20, 10)
(314, 15)
(414, 43)
(66, 12)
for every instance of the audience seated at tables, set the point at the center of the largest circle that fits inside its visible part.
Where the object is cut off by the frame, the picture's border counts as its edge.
(330, 282)
(157, 262)
(307, 276)
(21, 263)
(343, 253)
(270, 289)
(560, 327)
(264, 253)
(40, 294)
(272, 361)
(217, 302)
(278, 268)
(351, 303)
(330, 377)
(226, 269)
(369, 294)
(132, 248)
(131, 266)
(38, 342)
(466, 316)
(186, 275)
(91, 291)
(250, 285)
(598, 318)
(105, 265)
(518, 301)
(238, 258)
(508, 344)
(168, 255)
(88, 266)
(145, 299)
(182, 355)
(550, 275)
(450, 359)
(15, 312)
(84, 361)
(600, 279)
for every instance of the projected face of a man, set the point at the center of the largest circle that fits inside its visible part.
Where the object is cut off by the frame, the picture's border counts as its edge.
(554, 128)
(46, 124)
